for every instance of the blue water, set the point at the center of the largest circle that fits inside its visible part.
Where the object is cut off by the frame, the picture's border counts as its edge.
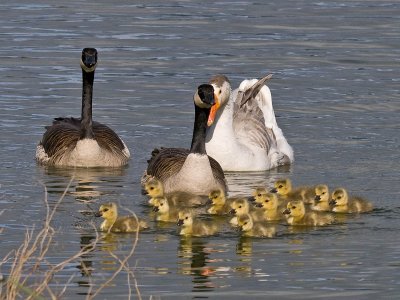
(336, 95)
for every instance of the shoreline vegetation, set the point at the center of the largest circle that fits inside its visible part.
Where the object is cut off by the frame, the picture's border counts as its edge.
(27, 273)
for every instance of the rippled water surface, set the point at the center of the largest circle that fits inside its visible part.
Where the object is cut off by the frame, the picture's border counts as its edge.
(336, 91)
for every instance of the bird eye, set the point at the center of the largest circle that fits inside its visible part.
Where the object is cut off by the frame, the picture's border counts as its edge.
(220, 92)
(259, 195)
(293, 207)
(187, 218)
(245, 223)
(240, 206)
(106, 209)
(323, 193)
(266, 201)
(281, 186)
(161, 204)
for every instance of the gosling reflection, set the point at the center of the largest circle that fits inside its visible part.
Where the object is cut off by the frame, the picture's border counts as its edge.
(244, 249)
(194, 257)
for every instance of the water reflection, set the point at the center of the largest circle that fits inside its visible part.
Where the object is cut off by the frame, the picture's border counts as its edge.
(244, 249)
(194, 256)
(88, 183)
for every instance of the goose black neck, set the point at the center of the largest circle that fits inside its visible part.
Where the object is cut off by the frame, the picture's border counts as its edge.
(87, 94)
(199, 130)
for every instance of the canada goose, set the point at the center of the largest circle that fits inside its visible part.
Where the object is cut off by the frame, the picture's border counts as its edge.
(342, 203)
(191, 170)
(283, 188)
(268, 203)
(81, 142)
(194, 227)
(240, 207)
(297, 215)
(113, 223)
(245, 135)
(255, 229)
(154, 188)
(164, 211)
(321, 201)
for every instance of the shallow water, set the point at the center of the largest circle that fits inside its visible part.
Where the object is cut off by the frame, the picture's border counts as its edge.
(336, 96)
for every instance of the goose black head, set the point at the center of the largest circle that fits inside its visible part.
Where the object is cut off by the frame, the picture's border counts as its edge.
(89, 59)
(204, 97)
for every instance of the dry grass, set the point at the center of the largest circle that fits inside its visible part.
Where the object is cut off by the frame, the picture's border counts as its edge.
(31, 273)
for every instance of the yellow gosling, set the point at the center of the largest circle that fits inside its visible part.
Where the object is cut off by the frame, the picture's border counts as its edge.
(342, 203)
(321, 201)
(268, 203)
(164, 211)
(220, 205)
(194, 227)
(154, 188)
(113, 223)
(240, 207)
(255, 229)
(285, 191)
(297, 215)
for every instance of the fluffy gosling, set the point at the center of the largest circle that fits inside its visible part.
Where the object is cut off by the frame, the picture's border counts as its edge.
(154, 188)
(164, 211)
(240, 207)
(268, 203)
(321, 200)
(342, 203)
(285, 191)
(193, 227)
(255, 229)
(220, 205)
(113, 223)
(297, 215)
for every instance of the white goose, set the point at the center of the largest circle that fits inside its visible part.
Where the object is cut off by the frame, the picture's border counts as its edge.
(82, 142)
(185, 170)
(245, 135)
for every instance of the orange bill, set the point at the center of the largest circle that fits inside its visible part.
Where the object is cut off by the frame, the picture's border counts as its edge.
(213, 111)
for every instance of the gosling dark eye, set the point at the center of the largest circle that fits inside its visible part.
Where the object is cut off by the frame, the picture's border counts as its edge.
(240, 206)
(281, 186)
(245, 223)
(220, 92)
(323, 193)
(259, 195)
(151, 188)
(187, 218)
(266, 201)
(106, 209)
(340, 197)
(293, 207)
(161, 204)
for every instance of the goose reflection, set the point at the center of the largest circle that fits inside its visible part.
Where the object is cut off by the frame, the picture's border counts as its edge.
(88, 183)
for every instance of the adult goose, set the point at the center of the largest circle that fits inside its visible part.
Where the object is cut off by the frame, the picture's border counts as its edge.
(245, 135)
(81, 142)
(191, 171)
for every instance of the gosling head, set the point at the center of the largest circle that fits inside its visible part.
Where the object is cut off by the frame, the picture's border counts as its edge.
(245, 222)
(282, 187)
(88, 60)
(154, 188)
(269, 201)
(259, 194)
(239, 207)
(295, 209)
(185, 218)
(108, 211)
(161, 205)
(216, 197)
(322, 193)
(339, 197)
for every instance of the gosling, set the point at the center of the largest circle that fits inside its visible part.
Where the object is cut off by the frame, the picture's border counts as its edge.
(285, 191)
(321, 200)
(164, 211)
(154, 188)
(297, 215)
(240, 207)
(255, 229)
(113, 223)
(194, 227)
(268, 202)
(342, 203)
(220, 205)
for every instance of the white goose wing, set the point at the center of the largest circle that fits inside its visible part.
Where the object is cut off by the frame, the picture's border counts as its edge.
(254, 119)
